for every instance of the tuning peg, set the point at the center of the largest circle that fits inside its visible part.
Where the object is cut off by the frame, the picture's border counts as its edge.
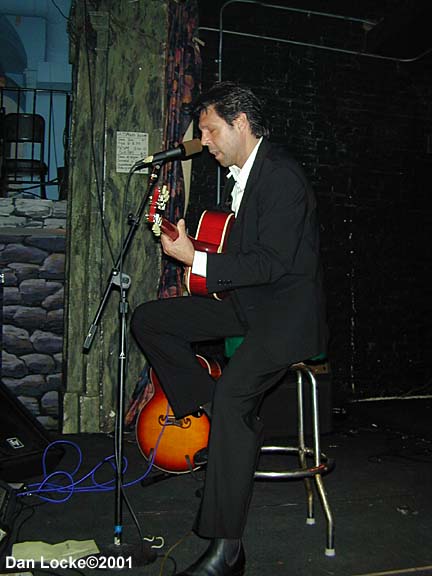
(165, 193)
(156, 229)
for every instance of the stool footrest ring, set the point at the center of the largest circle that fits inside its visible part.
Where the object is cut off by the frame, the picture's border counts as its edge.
(326, 464)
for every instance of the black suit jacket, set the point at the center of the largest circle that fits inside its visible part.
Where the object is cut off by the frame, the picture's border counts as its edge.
(271, 264)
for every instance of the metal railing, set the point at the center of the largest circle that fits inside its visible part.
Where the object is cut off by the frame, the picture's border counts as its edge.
(55, 108)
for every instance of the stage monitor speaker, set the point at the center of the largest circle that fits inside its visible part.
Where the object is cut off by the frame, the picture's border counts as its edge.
(8, 515)
(23, 441)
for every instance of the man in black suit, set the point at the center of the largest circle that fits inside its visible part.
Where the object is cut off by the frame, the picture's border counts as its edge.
(271, 273)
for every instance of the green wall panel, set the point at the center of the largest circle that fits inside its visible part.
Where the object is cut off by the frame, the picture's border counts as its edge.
(119, 66)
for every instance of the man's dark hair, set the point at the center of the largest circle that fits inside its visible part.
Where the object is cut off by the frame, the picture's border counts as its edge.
(229, 100)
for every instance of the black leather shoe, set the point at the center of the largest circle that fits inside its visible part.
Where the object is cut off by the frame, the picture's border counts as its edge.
(201, 457)
(224, 557)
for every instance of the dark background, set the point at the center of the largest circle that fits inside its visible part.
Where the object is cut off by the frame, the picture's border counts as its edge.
(362, 128)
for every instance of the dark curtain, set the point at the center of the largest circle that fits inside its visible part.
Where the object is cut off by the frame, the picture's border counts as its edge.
(182, 87)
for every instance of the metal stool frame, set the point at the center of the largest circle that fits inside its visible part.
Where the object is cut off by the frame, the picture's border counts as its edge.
(320, 464)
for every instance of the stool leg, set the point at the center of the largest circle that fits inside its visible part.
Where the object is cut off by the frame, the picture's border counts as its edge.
(330, 548)
(310, 516)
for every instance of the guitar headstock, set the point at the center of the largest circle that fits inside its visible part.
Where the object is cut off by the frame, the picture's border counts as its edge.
(158, 202)
(161, 225)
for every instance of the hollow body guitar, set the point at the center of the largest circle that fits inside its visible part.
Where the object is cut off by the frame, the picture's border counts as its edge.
(211, 236)
(172, 441)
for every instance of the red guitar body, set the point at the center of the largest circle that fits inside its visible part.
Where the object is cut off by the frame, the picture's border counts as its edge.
(172, 441)
(211, 236)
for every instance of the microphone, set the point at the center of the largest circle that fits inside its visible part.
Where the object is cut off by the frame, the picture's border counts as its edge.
(182, 151)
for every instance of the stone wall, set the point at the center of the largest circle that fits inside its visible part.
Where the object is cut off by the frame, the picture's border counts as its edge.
(32, 263)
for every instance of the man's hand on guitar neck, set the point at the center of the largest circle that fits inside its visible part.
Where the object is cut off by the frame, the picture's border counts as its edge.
(181, 248)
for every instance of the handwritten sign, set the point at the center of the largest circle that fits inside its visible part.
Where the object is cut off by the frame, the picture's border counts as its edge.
(131, 147)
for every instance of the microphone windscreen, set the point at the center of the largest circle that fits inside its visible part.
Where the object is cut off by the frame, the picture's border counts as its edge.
(192, 147)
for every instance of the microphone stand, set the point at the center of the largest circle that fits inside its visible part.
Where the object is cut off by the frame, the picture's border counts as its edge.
(144, 554)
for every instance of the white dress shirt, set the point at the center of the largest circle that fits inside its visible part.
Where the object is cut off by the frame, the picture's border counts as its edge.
(240, 175)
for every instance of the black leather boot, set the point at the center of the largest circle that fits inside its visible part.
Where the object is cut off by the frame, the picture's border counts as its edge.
(224, 557)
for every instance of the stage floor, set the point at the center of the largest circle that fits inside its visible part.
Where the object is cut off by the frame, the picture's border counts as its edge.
(380, 493)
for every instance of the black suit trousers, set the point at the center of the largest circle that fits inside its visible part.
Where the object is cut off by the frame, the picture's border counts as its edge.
(165, 330)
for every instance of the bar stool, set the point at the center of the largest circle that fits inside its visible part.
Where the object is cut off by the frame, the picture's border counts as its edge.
(313, 463)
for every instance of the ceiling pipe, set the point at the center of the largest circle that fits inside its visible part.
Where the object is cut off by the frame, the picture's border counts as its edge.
(299, 43)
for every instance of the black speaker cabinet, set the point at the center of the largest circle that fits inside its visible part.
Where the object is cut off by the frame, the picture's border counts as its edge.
(23, 441)
(279, 407)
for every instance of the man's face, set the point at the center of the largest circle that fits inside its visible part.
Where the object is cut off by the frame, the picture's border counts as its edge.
(223, 141)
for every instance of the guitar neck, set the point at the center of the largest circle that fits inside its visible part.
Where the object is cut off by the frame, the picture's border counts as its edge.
(169, 229)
